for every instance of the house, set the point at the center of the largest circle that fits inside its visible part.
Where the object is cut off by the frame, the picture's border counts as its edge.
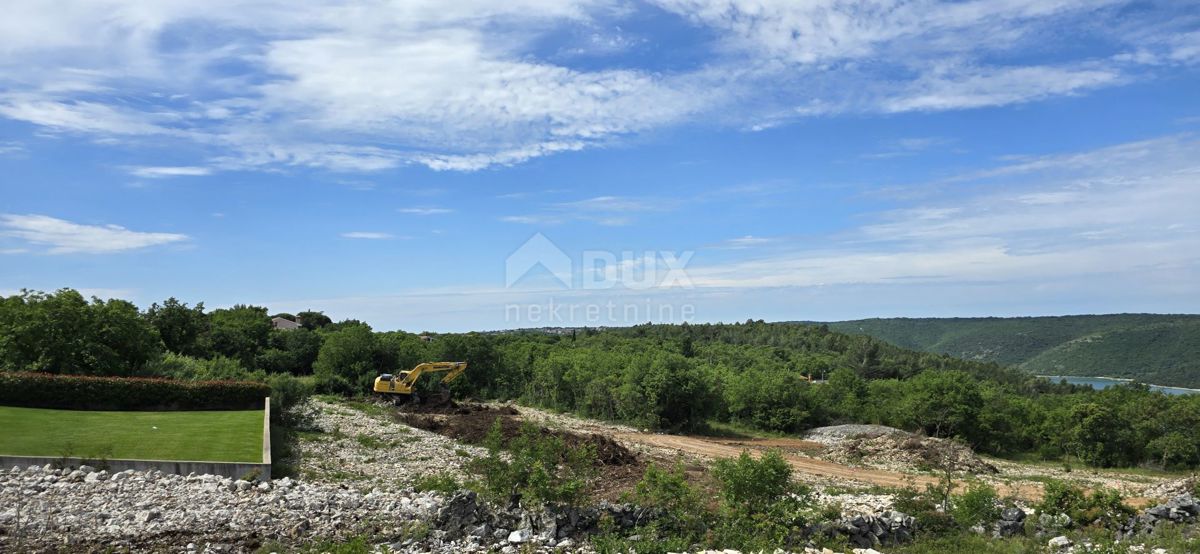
(284, 324)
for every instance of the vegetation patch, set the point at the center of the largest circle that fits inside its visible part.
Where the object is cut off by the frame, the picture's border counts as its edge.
(219, 436)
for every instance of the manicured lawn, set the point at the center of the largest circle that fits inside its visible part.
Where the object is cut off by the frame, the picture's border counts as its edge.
(219, 436)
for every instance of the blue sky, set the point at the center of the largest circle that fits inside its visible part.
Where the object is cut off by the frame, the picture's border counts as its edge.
(764, 159)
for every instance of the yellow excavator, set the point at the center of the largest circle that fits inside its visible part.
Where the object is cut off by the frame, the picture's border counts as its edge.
(401, 386)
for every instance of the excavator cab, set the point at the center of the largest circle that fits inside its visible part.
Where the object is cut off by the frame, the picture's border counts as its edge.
(402, 386)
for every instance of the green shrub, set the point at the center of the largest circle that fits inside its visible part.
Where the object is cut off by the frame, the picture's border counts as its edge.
(540, 468)
(979, 504)
(925, 508)
(1104, 507)
(753, 485)
(1060, 497)
(436, 482)
(287, 394)
(76, 392)
(683, 511)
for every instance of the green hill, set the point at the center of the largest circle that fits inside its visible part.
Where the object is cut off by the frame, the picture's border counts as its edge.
(1157, 349)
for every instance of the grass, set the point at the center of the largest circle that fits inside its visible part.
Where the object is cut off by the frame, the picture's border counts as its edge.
(224, 436)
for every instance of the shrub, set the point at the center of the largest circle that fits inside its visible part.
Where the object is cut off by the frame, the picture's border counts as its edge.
(1060, 497)
(683, 512)
(926, 509)
(753, 485)
(75, 392)
(540, 468)
(761, 509)
(287, 394)
(979, 504)
(436, 482)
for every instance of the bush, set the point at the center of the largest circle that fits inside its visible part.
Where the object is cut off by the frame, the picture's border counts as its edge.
(683, 512)
(76, 392)
(436, 482)
(287, 394)
(925, 508)
(540, 468)
(1105, 507)
(1060, 497)
(753, 485)
(978, 505)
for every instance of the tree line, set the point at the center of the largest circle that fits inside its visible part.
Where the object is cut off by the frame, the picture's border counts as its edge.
(672, 377)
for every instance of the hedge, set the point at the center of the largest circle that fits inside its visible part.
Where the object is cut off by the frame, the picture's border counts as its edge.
(79, 392)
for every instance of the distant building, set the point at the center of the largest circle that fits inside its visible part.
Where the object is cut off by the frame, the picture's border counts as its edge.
(426, 338)
(284, 324)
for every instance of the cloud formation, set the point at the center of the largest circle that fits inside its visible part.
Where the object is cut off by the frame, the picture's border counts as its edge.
(263, 84)
(65, 237)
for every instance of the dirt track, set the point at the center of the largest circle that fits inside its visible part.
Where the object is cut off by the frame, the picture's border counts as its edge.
(718, 448)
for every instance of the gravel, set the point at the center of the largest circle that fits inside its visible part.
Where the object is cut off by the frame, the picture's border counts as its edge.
(349, 445)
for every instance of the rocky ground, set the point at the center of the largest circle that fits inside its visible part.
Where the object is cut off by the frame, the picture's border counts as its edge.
(343, 443)
(356, 466)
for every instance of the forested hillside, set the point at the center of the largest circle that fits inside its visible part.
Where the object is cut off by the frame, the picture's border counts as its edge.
(670, 377)
(1156, 349)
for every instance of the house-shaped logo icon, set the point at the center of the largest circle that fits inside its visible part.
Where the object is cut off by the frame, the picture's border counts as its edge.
(538, 251)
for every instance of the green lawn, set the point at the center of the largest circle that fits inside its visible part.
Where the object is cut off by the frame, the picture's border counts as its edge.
(219, 436)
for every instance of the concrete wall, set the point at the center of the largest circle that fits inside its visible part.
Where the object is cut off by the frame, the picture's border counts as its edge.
(227, 469)
(235, 470)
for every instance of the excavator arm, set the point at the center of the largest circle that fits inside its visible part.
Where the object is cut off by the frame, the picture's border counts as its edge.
(404, 382)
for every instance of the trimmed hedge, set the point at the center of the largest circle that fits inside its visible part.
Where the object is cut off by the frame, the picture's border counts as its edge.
(79, 392)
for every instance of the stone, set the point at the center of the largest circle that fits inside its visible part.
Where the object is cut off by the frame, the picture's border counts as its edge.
(520, 535)
(243, 485)
(1012, 514)
(87, 469)
(1059, 543)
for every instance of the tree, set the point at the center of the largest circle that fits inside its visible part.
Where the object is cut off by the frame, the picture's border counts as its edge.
(290, 351)
(349, 353)
(240, 332)
(313, 320)
(64, 333)
(943, 403)
(180, 327)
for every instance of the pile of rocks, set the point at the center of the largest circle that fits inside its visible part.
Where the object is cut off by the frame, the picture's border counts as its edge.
(463, 515)
(1181, 509)
(1011, 523)
(906, 452)
(865, 531)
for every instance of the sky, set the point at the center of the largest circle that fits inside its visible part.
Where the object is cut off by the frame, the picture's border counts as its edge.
(471, 165)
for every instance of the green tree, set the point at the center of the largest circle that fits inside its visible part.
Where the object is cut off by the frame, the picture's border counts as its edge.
(943, 403)
(180, 327)
(240, 332)
(64, 333)
(290, 351)
(349, 353)
(312, 320)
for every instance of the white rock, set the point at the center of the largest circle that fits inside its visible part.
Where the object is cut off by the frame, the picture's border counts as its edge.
(1060, 542)
(520, 536)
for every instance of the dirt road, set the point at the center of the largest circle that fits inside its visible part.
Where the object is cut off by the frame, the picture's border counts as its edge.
(719, 448)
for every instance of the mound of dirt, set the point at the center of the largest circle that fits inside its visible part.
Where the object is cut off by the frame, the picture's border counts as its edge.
(906, 452)
(471, 423)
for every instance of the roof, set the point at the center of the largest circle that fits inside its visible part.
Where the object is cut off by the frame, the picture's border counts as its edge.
(281, 323)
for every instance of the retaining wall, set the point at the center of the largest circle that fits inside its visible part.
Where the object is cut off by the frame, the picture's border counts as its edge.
(235, 470)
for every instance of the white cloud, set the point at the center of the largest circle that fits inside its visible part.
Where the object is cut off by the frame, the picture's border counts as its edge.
(740, 243)
(65, 237)
(160, 172)
(425, 211)
(368, 235)
(969, 88)
(466, 86)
